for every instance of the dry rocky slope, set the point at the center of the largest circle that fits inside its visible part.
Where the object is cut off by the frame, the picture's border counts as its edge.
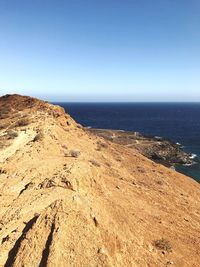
(156, 148)
(71, 198)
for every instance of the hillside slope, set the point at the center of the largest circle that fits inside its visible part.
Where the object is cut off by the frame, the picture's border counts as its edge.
(70, 198)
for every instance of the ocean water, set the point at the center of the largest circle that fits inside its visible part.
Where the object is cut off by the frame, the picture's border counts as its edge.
(179, 122)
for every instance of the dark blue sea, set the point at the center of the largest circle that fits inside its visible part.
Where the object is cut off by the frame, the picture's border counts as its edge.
(179, 122)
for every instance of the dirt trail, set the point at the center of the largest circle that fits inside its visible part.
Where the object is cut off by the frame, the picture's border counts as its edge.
(23, 138)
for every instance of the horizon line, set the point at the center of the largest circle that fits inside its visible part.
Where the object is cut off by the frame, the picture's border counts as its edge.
(126, 102)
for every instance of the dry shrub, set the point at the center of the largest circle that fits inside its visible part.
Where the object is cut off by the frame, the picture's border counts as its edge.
(2, 171)
(22, 122)
(4, 112)
(75, 153)
(159, 182)
(95, 163)
(162, 244)
(65, 147)
(38, 137)
(118, 158)
(12, 134)
(102, 144)
(141, 169)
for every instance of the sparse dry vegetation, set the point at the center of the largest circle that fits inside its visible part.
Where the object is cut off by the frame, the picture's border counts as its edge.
(12, 134)
(75, 153)
(95, 163)
(118, 158)
(4, 112)
(38, 137)
(162, 244)
(2, 171)
(22, 122)
(64, 147)
(101, 145)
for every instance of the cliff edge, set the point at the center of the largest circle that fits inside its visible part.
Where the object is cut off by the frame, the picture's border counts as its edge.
(71, 198)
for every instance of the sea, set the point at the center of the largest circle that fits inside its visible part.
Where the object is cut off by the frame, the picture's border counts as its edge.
(178, 122)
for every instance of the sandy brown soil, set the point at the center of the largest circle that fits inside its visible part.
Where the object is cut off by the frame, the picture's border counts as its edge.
(70, 198)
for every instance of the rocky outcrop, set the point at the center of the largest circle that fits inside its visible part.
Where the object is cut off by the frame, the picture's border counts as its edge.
(155, 148)
(69, 197)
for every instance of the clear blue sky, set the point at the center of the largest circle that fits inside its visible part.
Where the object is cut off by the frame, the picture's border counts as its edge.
(101, 50)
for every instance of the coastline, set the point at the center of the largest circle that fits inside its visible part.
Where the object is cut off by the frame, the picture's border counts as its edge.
(159, 120)
(158, 149)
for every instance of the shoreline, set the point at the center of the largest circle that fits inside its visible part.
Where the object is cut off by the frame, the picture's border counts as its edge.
(158, 149)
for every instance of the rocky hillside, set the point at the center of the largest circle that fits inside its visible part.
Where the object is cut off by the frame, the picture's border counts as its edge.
(71, 198)
(155, 148)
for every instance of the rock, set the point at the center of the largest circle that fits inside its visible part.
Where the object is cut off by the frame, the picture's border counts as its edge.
(101, 251)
